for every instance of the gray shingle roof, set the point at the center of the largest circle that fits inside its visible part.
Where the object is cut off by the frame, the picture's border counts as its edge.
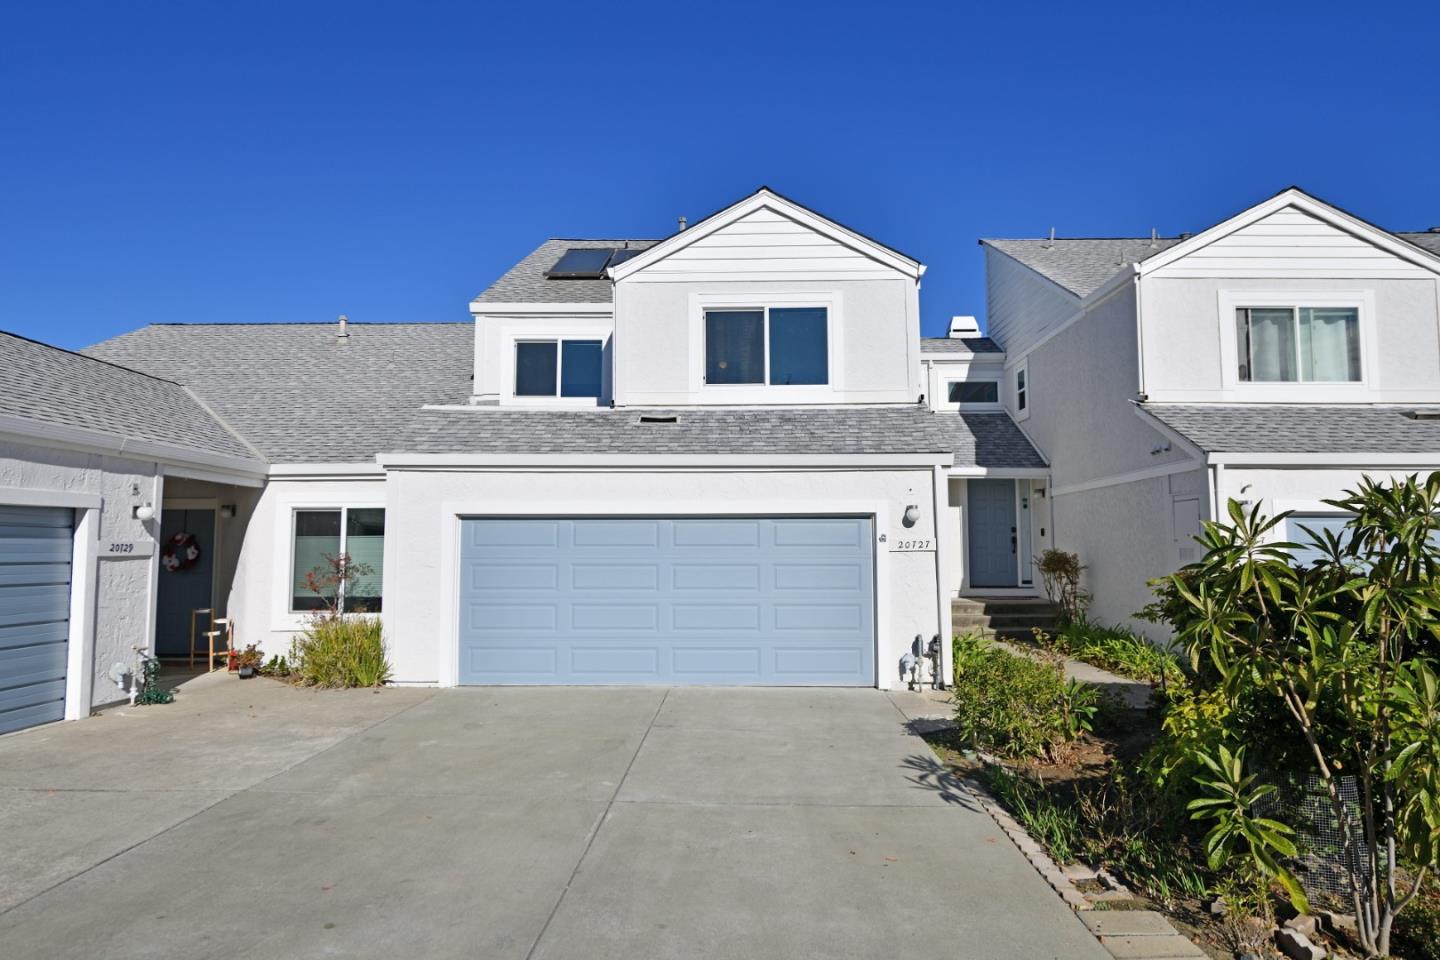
(1257, 428)
(298, 393)
(987, 440)
(60, 388)
(1083, 265)
(959, 345)
(526, 281)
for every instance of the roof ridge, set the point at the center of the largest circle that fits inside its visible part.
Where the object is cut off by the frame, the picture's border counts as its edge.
(86, 356)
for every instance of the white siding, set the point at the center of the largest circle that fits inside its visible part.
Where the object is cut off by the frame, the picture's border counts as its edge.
(764, 245)
(1021, 306)
(1291, 243)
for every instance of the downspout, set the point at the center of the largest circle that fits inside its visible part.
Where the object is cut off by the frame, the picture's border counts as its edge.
(1217, 484)
(942, 595)
(1139, 336)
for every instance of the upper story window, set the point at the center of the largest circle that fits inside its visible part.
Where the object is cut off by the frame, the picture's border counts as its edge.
(565, 368)
(1022, 389)
(966, 392)
(1298, 344)
(778, 346)
(320, 536)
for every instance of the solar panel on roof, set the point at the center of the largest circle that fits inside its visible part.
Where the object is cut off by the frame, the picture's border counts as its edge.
(622, 255)
(581, 264)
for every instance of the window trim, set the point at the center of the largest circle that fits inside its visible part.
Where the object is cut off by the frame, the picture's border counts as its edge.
(701, 392)
(344, 511)
(1291, 391)
(1022, 387)
(559, 340)
(949, 383)
(764, 310)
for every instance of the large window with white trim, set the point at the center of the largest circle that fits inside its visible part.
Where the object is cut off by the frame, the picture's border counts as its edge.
(324, 534)
(1280, 344)
(779, 346)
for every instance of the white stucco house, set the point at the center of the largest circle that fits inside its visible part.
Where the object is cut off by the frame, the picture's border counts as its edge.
(1274, 358)
(726, 456)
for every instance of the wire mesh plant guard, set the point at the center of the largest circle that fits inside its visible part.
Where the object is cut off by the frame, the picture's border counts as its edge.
(1323, 865)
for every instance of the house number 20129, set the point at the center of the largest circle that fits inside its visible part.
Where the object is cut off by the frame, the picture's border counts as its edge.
(121, 548)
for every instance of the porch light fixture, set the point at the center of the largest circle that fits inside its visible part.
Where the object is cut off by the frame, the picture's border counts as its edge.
(227, 511)
(144, 512)
(912, 514)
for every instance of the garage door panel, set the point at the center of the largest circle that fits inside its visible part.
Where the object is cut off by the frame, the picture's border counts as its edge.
(36, 544)
(503, 577)
(610, 576)
(690, 600)
(717, 533)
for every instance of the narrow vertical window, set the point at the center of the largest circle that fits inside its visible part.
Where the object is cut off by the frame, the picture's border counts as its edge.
(1022, 391)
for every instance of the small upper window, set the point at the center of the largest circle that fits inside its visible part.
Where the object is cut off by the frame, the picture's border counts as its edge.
(974, 391)
(1298, 344)
(781, 346)
(566, 368)
(1022, 389)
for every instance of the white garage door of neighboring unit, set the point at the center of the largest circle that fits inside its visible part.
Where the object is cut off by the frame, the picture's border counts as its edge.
(36, 544)
(783, 601)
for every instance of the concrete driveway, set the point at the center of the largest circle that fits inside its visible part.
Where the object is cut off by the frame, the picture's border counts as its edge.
(253, 820)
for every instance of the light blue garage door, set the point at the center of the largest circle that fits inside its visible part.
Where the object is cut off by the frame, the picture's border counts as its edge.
(773, 601)
(35, 549)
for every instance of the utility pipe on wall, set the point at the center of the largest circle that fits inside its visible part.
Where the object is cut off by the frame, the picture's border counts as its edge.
(942, 595)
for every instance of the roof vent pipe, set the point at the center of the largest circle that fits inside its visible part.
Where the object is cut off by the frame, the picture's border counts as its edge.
(344, 332)
(1051, 244)
(1154, 238)
(682, 224)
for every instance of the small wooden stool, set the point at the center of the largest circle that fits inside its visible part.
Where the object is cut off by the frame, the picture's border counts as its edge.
(193, 614)
(229, 649)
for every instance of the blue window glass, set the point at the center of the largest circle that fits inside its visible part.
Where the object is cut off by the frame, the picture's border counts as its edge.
(535, 369)
(735, 346)
(799, 352)
(580, 368)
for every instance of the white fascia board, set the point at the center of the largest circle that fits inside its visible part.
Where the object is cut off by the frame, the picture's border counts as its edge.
(423, 461)
(322, 471)
(242, 470)
(1001, 473)
(1376, 459)
(33, 497)
(762, 199)
(1302, 201)
(481, 308)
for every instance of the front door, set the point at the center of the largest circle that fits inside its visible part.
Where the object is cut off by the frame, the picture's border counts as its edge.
(185, 581)
(990, 531)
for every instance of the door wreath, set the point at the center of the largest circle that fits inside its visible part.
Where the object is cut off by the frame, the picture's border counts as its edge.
(181, 552)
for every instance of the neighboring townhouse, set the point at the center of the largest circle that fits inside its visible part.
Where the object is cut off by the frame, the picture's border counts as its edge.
(1274, 358)
(726, 456)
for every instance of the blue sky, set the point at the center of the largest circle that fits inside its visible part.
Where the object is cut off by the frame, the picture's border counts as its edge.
(287, 162)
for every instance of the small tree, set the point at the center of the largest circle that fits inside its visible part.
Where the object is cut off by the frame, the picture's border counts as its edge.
(1347, 645)
(1060, 573)
(328, 582)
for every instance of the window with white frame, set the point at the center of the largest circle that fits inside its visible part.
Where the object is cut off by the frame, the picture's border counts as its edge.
(779, 346)
(1298, 344)
(322, 535)
(558, 368)
(968, 392)
(1022, 389)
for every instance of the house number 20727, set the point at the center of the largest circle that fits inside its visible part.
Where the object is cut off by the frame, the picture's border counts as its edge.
(900, 545)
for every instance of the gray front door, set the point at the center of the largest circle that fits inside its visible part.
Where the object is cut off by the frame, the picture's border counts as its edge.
(735, 600)
(36, 545)
(990, 531)
(185, 590)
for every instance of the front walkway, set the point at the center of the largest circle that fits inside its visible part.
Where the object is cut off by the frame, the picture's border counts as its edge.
(253, 820)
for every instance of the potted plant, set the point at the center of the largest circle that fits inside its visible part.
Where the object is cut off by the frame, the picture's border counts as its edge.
(248, 662)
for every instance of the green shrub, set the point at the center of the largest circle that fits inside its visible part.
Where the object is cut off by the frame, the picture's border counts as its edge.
(1044, 817)
(1012, 705)
(1116, 649)
(341, 652)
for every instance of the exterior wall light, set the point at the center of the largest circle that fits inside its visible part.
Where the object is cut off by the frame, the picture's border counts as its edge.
(912, 514)
(144, 512)
(227, 511)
